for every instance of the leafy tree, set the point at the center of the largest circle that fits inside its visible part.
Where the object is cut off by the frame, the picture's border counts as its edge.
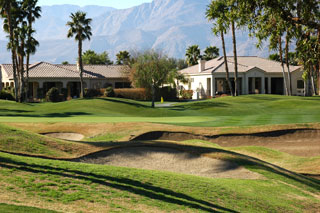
(123, 58)
(292, 58)
(179, 63)
(65, 63)
(151, 70)
(79, 27)
(91, 57)
(292, 19)
(193, 55)
(211, 53)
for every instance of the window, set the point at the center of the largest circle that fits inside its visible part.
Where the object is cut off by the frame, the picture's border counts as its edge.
(300, 84)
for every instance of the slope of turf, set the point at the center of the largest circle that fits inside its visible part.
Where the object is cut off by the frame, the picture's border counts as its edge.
(308, 165)
(5, 208)
(19, 141)
(57, 184)
(228, 111)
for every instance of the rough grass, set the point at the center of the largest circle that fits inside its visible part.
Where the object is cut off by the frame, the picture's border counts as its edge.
(308, 165)
(57, 184)
(249, 110)
(23, 142)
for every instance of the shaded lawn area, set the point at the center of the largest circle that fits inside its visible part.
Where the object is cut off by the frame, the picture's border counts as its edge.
(54, 182)
(5, 208)
(228, 111)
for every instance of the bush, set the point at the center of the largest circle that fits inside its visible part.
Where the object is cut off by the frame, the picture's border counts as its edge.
(53, 95)
(5, 95)
(186, 94)
(91, 93)
(109, 92)
(133, 93)
(168, 93)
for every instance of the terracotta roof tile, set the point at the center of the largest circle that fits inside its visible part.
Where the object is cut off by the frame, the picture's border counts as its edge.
(47, 70)
(245, 63)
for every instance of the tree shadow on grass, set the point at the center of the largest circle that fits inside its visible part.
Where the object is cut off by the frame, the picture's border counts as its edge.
(14, 111)
(198, 106)
(136, 104)
(49, 115)
(124, 184)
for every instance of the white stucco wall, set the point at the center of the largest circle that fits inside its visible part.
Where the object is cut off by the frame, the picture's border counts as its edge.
(199, 82)
(295, 76)
(200, 86)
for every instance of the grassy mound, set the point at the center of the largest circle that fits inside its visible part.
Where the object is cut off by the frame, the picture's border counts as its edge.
(66, 186)
(22, 142)
(307, 165)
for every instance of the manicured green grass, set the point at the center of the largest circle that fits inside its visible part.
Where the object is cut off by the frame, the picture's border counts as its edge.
(4, 208)
(125, 189)
(228, 111)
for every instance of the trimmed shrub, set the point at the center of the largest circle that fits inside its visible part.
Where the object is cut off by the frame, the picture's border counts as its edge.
(168, 93)
(5, 95)
(109, 92)
(53, 95)
(186, 94)
(91, 93)
(133, 93)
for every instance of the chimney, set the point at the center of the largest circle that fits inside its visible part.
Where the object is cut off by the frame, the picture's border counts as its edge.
(202, 64)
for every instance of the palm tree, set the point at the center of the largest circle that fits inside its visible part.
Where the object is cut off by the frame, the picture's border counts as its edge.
(6, 12)
(31, 48)
(32, 12)
(211, 53)
(80, 29)
(234, 41)
(123, 58)
(193, 55)
(216, 12)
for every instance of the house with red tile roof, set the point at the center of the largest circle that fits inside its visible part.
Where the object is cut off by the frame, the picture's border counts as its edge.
(43, 76)
(256, 75)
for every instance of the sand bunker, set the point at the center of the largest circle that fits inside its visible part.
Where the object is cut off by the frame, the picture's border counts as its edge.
(165, 159)
(300, 142)
(66, 136)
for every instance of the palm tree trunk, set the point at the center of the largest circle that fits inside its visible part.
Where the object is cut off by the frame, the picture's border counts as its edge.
(28, 59)
(226, 62)
(15, 79)
(27, 76)
(234, 40)
(282, 65)
(81, 68)
(288, 65)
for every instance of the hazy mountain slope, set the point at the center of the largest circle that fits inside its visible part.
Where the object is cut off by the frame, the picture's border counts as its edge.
(169, 25)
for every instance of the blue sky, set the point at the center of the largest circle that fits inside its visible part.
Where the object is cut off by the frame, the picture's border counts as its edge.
(120, 4)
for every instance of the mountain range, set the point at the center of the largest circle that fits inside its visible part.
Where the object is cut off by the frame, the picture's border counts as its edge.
(167, 25)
